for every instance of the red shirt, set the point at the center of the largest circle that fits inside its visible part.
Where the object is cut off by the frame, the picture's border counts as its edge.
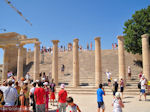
(62, 96)
(39, 93)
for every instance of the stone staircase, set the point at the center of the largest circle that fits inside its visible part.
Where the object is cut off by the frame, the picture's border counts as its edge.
(87, 70)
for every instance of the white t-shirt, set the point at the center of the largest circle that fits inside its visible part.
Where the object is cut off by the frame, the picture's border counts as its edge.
(108, 75)
(143, 82)
(32, 90)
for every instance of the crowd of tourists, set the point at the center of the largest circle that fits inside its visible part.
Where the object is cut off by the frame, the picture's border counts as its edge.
(23, 94)
(62, 48)
(39, 95)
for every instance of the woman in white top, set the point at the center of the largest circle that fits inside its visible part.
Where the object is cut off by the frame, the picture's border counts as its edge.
(129, 72)
(117, 103)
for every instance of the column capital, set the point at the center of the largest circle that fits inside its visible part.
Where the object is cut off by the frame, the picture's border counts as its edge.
(120, 37)
(145, 35)
(97, 38)
(37, 43)
(55, 41)
(76, 40)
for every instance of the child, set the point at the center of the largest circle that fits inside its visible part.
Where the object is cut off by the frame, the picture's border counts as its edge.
(72, 107)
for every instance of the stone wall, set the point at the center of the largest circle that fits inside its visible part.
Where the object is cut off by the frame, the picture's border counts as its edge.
(13, 57)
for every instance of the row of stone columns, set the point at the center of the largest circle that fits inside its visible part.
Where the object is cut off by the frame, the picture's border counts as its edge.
(5, 64)
(20, 62)
(76, 81)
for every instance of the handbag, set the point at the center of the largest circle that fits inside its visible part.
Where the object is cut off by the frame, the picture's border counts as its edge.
(2, 103)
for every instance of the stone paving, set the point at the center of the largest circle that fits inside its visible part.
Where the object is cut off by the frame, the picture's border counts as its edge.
(87, 103)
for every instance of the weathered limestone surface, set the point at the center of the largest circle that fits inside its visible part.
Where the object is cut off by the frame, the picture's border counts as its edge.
(145, 55)
(36, 61)
(98, 66)
(55, 61)
(76, 81)
(121, 58)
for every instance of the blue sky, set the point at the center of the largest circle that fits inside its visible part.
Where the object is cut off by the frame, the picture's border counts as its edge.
(68, 19)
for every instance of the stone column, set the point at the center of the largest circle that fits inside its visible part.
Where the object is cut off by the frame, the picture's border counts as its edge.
(36, 61)
(98, 66)
(76, 81)
(5, 64)
(145, 56)
(20, 62)
(55, 61)
(121, 58)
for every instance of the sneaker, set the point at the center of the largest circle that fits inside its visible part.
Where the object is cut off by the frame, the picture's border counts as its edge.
(140, 100)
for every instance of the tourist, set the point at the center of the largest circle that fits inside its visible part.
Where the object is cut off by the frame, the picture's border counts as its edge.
(47, 94)
(40, 98)
(87, 46)
(33, 104)
(91, 46)
(27, 91)
(140, 75)
(117, 103)
(72, 107)
(100, 93)
(18, 88)
(62, 68)
(2, 103)
(143, 87)
(115, 87)
(22, 96)
(129, 72)
(108, 74)
(116, 45)
(27, 77)
(62, 96)
(52, 92)
(121, 87)
(112, 46)
(10, 94)
(80, 47)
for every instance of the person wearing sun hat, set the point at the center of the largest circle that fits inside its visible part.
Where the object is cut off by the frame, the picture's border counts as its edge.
(47, 94)
(117, 103)
(62, 96)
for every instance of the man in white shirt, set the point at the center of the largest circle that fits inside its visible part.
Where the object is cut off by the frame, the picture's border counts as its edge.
(32, 96)
(27, 77)
(143, 87)
(108, 74)
(10, 94)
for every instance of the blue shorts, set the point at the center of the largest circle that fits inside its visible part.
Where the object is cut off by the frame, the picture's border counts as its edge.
(142, 91)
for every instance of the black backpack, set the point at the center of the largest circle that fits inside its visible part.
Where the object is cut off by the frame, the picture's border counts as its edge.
(139, 85)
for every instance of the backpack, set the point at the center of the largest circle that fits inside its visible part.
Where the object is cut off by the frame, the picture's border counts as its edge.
(139, 85)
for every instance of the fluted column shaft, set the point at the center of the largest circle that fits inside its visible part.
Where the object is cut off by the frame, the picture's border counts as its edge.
(98, 66)
(55, 61)
(76, 81)
(20, 62)
(145, 56)
(121, 58)
(36, 61)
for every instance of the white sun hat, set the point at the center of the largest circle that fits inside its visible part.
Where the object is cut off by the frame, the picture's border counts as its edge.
(117, 95)
(115, 80)
(25, 81)
(37, 80)
(45, 83)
